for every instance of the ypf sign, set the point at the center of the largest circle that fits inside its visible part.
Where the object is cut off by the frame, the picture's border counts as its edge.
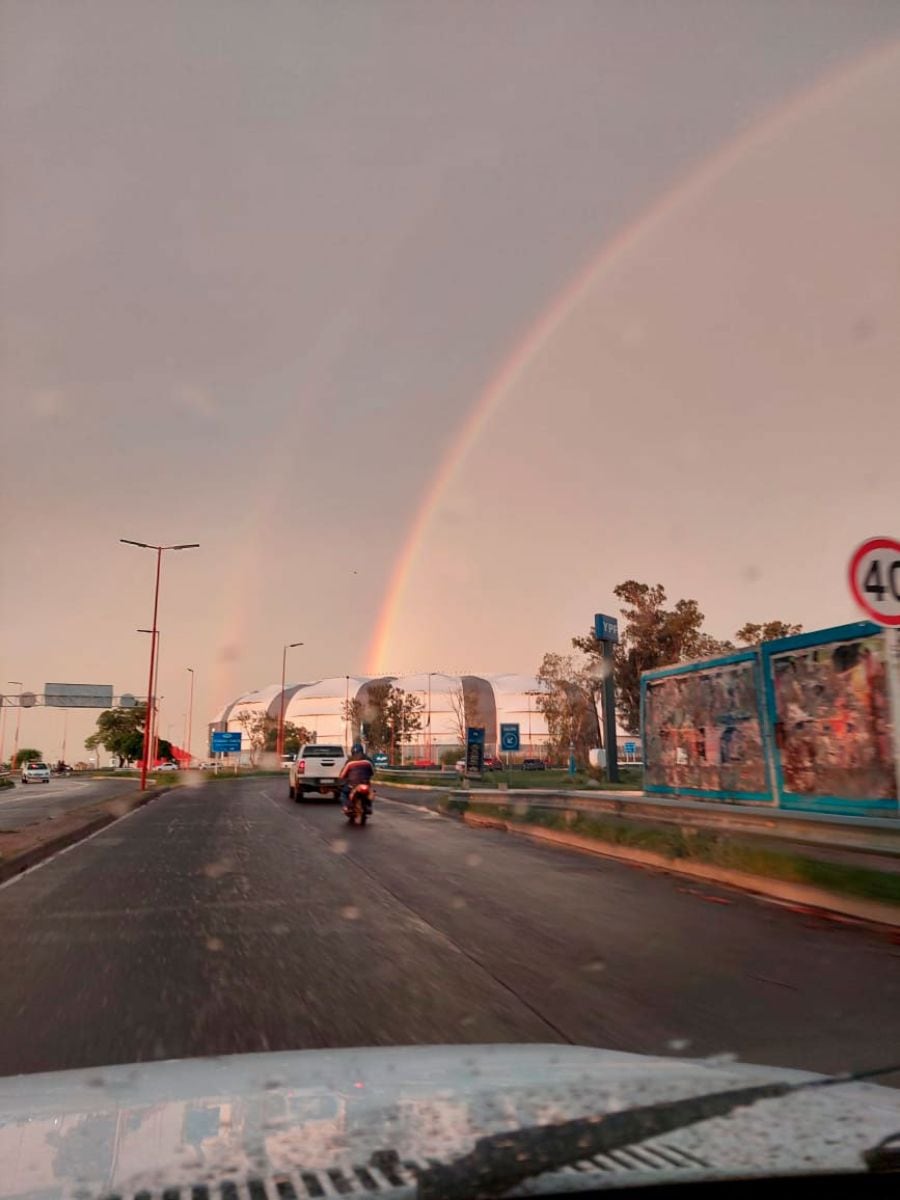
(874, 576)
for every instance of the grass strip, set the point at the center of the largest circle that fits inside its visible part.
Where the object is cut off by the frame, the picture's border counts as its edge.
(696, 846)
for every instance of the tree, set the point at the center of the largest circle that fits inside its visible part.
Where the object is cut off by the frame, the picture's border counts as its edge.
(751, 634)
(391, 715)
(295, 736)
(652, 636)
(121, 732)
(466, 712)
(353, 715)
(257, 727)
(569, 705)
(26, 754)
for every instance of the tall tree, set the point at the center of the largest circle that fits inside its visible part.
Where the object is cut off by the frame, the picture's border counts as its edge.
(651, 635)
(391, 716)
(26, 754)
(121, 732)
(257, 727)
(466, 712)
(569, 705)
(295, 736)
(752, 634)
(352, 711)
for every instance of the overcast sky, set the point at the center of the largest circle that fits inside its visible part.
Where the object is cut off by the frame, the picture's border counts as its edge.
(261, 260)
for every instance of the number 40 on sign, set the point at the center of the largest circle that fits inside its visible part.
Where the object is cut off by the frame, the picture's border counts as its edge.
(875, 579)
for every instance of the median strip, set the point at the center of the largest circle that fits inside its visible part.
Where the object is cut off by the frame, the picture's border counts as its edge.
(24, 848)
(847, 887)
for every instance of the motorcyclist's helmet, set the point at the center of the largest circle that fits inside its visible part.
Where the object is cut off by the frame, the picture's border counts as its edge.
(357, 748)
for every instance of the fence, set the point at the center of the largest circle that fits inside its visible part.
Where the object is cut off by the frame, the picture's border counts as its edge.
(801, 723)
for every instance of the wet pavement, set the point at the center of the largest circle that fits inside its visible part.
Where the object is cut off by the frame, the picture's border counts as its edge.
(226, 918)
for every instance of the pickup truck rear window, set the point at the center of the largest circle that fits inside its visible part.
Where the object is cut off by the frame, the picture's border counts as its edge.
(323, 752)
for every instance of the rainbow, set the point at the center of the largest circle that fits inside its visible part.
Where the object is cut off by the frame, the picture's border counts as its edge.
(682, 193)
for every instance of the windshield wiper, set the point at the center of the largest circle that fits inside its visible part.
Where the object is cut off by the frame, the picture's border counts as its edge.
(499, 1162)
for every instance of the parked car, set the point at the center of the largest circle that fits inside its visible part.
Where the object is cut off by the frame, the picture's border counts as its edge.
(460, 765)
(35, 772)
(533, 764)
(425, 764)
(316, 769)
(493, 763)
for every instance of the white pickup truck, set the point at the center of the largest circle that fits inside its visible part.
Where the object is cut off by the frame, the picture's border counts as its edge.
(316, 769)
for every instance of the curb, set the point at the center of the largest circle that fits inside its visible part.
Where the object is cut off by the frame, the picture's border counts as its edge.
(872, 912)
(11, 867)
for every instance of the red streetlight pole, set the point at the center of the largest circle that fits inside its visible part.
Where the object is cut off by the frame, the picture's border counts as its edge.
(190, 719)
(279, 740)
(151, 699)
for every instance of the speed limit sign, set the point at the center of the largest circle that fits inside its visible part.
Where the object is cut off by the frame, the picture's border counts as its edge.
(875, 579)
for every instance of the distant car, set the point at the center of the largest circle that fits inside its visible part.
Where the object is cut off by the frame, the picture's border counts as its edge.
(493, 763)
(168, 766)
(533, 764)
(424, 764)
(286, 760)
(35, 772)
(460, 765)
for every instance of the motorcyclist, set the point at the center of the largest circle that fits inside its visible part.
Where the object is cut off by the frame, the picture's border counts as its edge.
(358, 768)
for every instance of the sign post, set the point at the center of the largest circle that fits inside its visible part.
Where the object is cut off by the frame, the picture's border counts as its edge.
(606, 631)
(874, 577)
(510, 740)
(474, 750)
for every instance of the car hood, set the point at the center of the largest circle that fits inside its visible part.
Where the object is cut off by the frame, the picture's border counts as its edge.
(367, 1120)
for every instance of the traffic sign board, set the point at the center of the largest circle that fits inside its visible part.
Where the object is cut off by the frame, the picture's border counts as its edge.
(381, 759)
(606, 629)
(509, 737)
(475, 735)
(225, 743)
(875, 579)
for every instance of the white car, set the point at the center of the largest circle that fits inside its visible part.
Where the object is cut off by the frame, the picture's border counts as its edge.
(316, 769)
(35, 772)
(169, 766)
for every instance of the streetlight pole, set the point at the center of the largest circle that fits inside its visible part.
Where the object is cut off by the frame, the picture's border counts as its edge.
(15, 753)
(279, 740)
(190, 719)
(151, 699)
(430, 742)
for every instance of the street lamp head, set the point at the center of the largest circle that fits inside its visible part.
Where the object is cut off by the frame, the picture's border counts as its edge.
(143, 545)
(191, 669)
(185, 546)
(292, 645)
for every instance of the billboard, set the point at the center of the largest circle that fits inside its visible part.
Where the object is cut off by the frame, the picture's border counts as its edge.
(78, 695)
(702, 731)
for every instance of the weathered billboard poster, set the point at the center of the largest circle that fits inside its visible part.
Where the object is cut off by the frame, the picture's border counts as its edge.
(833, 731)
(702, 732)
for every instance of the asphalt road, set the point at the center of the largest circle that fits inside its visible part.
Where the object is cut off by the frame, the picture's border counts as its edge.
(225, 918)
(27, 804)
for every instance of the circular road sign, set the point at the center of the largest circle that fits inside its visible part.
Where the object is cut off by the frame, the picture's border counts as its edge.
(27, 700)
(875, 579)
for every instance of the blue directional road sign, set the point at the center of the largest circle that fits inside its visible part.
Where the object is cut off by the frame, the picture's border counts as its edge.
(381, 760)
(606, 629)
(509, 737)
(226, 743)
(630, 747)
(475, 736)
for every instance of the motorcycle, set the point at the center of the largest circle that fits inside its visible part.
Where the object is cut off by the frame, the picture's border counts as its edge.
(359, 804)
